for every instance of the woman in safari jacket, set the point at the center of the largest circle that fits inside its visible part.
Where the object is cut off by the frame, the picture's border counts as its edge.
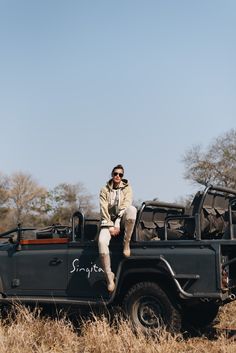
(116, 211)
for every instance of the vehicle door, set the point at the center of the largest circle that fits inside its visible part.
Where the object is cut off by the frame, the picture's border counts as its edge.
(85, 273)
(41, 267)
(86, 277)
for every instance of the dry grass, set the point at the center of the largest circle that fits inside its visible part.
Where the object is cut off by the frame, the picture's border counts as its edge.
(28, 332)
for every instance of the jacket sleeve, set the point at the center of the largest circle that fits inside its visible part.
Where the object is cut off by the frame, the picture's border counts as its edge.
(127, 200)
(105, 216)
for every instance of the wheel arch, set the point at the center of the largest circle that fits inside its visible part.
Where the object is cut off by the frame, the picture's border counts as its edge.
(130, 277)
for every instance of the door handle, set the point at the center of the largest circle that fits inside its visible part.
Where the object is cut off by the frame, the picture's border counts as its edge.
(56, 261)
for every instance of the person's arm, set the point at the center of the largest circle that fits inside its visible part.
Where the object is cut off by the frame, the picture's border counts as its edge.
(105, 216)
(127, 200)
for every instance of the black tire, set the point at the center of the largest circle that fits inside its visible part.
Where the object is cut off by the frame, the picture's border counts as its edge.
(199, 316)
(149, 308)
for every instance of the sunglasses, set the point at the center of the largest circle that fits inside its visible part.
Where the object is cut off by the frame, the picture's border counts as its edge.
(120, 174)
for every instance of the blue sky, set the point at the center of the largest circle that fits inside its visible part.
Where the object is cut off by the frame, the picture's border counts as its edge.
(89, 84)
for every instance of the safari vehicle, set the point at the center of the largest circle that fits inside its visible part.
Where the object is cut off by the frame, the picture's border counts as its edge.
(182, 266)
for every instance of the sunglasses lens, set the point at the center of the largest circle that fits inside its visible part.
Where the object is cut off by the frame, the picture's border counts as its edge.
(120, 174)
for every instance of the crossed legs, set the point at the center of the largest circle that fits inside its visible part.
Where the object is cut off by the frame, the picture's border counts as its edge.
(127, 222)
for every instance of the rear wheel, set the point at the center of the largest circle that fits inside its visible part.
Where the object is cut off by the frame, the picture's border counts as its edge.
(148, 307)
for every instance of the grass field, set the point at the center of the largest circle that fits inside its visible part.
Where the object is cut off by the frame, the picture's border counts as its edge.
(28, 331)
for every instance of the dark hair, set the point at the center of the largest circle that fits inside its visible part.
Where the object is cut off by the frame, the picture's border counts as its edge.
(118, 166)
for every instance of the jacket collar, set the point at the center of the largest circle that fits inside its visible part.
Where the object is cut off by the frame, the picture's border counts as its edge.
(122, 185)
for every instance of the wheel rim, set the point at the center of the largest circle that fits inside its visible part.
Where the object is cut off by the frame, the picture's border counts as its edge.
(149, 312)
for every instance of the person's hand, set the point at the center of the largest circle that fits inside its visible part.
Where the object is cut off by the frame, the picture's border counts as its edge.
(114, 231)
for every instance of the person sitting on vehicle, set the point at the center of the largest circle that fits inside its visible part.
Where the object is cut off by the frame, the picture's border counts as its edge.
(116, 212)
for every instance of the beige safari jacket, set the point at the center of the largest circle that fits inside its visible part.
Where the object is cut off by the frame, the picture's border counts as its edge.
(125, 200)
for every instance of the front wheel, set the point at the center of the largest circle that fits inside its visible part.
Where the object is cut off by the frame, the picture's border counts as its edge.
(149, 307)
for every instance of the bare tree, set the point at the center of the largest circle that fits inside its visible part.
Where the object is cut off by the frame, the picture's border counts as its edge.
(65, 199)
(217, 165)
(3, 189)
(4, 209)
(26, 197)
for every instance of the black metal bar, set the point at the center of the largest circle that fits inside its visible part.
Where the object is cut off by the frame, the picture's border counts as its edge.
(198, 214)
(80, 216)
(14, 230)
(230, 262)
(163, 204)
(223, 189)
(8, 232)
(169, 218)
(138, 220)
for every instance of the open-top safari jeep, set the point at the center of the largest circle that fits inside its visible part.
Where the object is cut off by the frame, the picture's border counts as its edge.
(182, 266)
